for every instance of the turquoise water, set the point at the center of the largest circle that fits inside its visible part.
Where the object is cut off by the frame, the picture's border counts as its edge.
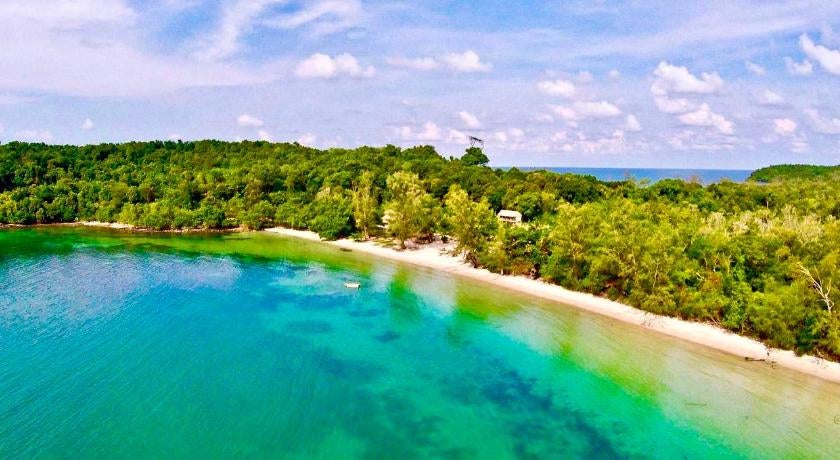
(249, 346)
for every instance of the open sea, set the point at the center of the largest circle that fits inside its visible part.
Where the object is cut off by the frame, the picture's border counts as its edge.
(704, 176)
(124, 345)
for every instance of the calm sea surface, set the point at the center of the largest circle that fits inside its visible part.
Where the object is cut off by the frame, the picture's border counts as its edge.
(116, 345)
(704, 176)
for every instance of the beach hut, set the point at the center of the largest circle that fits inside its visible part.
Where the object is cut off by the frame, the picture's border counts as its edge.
(511, 217)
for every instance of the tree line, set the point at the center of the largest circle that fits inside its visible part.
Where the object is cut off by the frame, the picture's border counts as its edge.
(760, 259)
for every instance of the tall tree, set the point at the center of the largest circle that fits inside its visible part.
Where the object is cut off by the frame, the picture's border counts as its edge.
(470, 223)
(364, 204)
(407, 213)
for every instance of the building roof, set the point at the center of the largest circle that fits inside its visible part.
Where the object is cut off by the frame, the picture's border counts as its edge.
(509, 213)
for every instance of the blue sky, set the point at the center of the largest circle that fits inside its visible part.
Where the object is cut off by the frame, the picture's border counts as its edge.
(733, 84)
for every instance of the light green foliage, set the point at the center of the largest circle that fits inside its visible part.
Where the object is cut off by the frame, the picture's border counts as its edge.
(332, 213)
(469, 222)
(411, 211)
(364, 204)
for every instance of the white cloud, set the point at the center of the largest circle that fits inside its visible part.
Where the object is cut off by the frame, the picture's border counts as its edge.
(66, 14)
(34, 135)
(428, 132)
(829, 59)
(466, 62)
(420, 63)
(326, 16)
(582, 110)
(324, 66)
(705, 117)
(90, 48)
(585, 76)
(248, 121)
(509, 135)
(469, 120)
(87, 125)
(263, 135)
(175, 137)
(543, 118)
(557, 88)
(308, 140)
(784, 126)
(673, 106)
(237, 19)
(457, 137)
(632, 124)
(795, 68)
(822, 124)
(675, 79)
(755, 69)
(614, 74)
(768, 97)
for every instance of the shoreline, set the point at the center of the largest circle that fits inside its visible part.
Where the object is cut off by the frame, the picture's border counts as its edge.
(435, 256)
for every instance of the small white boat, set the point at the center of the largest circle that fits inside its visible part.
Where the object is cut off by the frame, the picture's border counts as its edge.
(352, 285)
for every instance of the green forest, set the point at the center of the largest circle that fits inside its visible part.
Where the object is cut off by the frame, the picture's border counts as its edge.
(760, 258)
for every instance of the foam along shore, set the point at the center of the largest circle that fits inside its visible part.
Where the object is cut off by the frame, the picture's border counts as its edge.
(436, 256)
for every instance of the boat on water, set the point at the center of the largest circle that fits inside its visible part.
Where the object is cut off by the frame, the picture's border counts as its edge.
(352, 285)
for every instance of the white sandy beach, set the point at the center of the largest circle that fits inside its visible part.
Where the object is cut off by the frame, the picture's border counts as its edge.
(436, 256)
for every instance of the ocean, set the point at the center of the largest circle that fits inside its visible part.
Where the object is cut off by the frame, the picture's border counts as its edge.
(123, 345)
(704, 176)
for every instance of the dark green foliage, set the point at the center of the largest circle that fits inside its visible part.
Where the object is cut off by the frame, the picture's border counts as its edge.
(475, 157)
(758, 259)
(785, 172)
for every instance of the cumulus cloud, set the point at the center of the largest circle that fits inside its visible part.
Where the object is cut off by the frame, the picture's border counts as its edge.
(469, 120)
(614, 74)
(822, 124)
(768, 97)
(784, 126)
(466, 62)
(632, 124)
(263, 135)
(511, 134)
(87, 125)
(673, 106)
(828, 59)
(705, 117)
(420, 63)
(675, 79)
(248, 121)
(429, 132)
(457, 137)
(582, 110)
(796, 68)
(324, 66)
(557, 88)
(755, 69)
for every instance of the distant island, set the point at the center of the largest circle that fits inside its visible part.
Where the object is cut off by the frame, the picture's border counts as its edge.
(786, 172)
(760, 258)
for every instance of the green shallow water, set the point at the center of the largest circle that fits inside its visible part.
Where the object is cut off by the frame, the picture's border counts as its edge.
(116, 345)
